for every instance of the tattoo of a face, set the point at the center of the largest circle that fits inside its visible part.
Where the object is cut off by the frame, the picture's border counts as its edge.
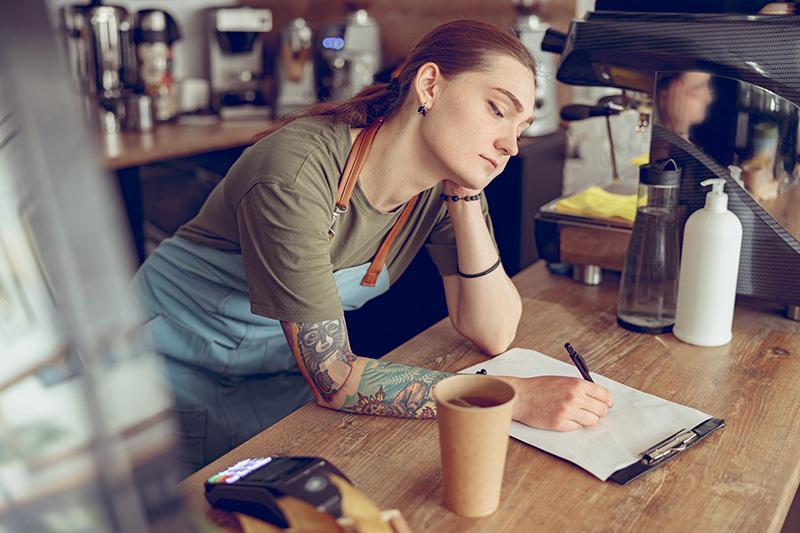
(326, 354)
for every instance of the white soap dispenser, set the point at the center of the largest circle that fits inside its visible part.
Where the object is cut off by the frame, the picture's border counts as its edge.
(712, 240)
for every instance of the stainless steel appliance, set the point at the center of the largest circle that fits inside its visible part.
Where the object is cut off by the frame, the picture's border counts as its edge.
(531, 31)
(350, 53)
(98, 42)
(296, 83)
(236, 60)
(154, 33)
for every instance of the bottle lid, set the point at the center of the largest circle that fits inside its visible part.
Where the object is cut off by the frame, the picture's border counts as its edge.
(716, 200)
(664, 172)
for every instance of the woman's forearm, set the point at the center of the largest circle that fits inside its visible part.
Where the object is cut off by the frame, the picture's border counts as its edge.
(341, 380)
(487, 308)
(489, 311)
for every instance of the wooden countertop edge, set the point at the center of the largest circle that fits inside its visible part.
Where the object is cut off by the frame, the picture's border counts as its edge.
(137, 149)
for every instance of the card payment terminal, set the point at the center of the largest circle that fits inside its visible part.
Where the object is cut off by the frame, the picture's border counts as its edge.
(251, 486)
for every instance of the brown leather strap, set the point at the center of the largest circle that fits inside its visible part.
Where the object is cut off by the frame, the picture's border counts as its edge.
(347, 183)
(352, 169)
(371, 277)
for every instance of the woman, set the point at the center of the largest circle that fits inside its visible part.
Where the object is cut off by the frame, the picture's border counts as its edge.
(683, 100)
(319, 216)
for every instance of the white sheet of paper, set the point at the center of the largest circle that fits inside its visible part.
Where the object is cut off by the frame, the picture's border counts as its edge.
(636, 422)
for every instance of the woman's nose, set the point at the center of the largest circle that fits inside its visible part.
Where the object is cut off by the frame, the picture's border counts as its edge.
(508, 145)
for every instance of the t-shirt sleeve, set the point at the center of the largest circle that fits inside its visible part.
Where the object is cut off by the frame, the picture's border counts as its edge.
(285, 248)
(441, 243)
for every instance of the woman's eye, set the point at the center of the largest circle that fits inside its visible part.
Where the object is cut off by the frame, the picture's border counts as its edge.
(495, 110)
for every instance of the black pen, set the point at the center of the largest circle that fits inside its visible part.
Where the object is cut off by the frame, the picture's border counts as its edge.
(579, 362)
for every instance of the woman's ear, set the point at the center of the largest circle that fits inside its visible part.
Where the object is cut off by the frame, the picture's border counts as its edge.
(427, 83)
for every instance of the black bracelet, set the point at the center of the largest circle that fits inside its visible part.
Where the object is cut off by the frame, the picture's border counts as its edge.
(479, 274)
(454, 198)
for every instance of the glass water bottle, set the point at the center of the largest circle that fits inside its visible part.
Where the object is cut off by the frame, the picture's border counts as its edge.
(648, 291)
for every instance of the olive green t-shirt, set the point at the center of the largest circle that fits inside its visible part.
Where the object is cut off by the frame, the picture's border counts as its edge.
(274, 207)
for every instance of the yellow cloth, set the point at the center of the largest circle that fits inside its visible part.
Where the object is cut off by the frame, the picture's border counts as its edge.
(641, 159)
(599, 203)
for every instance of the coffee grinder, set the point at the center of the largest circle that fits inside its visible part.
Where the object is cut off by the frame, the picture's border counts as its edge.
(236, 60)
(350, 53)
(531, 31)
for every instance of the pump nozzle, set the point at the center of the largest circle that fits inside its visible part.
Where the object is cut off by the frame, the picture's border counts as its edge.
(716, 200)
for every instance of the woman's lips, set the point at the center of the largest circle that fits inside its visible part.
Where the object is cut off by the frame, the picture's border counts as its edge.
(491, 161)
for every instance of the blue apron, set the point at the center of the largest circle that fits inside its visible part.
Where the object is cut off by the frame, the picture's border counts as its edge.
(231, 371)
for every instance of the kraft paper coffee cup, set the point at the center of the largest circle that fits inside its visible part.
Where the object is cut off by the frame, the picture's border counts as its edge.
(474, 418)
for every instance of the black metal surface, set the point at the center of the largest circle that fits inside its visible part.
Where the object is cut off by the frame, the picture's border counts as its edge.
(761, 50)
(769, 266)
(683, 6)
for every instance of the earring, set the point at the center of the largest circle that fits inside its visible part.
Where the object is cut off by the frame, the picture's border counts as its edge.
(422, 110)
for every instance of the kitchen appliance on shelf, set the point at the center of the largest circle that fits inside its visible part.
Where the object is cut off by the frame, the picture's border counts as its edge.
(531, 31)
(155, 32)
(102, 65)
(350, 54)
(296, 84)
(236, 60)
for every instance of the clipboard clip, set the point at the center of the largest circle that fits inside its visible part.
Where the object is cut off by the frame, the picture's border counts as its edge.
(673, 444)
(665, 450)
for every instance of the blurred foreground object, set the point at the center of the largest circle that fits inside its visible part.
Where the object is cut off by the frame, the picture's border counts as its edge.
(86, 439)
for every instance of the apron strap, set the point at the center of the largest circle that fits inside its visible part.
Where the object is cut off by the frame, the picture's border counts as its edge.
(347, 183)
(371, 277)
(352, 169)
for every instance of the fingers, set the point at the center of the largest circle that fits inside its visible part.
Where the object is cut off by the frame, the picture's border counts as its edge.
(599, 393)
(594, 406)
(561, 403)
(585, 418)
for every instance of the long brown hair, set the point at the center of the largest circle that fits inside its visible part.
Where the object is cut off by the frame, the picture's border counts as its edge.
(456, 47)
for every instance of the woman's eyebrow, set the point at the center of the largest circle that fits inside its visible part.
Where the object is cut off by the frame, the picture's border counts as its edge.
(514, 100)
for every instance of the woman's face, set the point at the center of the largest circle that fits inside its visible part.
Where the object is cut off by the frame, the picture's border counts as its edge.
(476, 118)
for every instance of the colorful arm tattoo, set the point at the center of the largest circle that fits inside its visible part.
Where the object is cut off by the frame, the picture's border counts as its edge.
(392, 389)
(387, 389)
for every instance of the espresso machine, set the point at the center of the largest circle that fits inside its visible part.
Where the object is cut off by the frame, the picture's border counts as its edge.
(532, 31)
(236, 60)
(350, 53)
(726, 105)
(101, 58)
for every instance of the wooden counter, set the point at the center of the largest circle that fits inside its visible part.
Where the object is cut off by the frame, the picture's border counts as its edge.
(176, 140)
(742, 478)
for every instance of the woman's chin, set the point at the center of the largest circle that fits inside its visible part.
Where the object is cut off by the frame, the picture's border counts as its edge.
(472, 182)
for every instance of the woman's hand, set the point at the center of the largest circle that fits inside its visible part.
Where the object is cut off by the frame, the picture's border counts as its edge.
(559, 403)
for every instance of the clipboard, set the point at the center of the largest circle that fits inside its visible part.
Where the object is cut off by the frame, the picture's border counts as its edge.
(665, 450)
(627, 443)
